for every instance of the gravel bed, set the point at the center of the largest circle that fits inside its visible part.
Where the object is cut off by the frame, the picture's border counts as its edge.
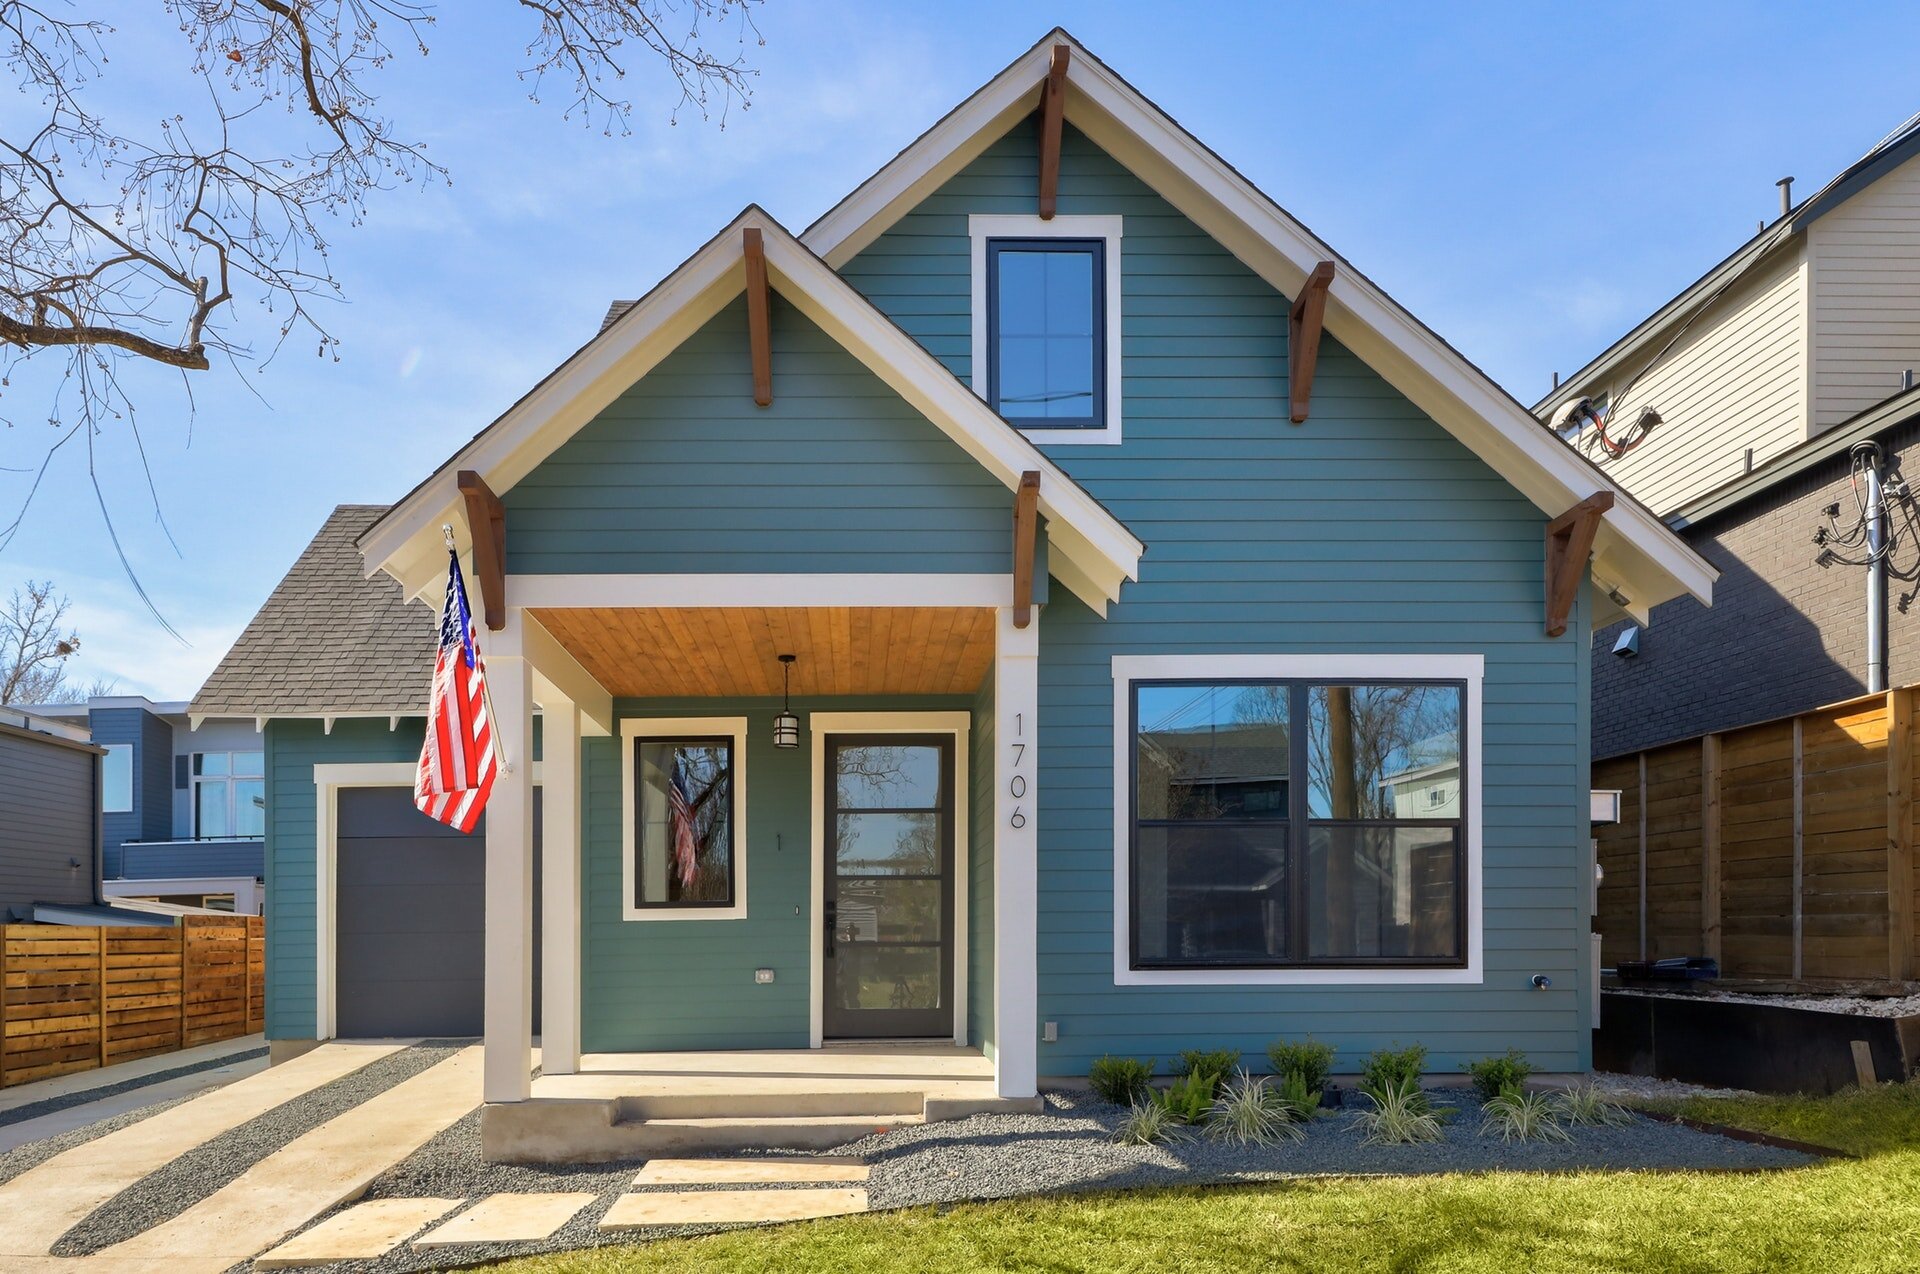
(163, 1195)
(1637, 1086)
(1858, 1005)
(1069, 1147)
(34, 1153)
(81, 1097)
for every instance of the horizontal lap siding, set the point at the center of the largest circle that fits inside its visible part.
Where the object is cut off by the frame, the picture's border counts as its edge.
(684, 474)
(1367, 528)
(47, 806)
(1866, 295)
(688, 984)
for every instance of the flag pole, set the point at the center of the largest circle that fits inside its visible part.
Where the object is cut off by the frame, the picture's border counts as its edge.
(486, 690)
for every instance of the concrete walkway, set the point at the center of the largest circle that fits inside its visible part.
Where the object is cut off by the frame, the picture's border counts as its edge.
(319, 1170)
(44, 1202)
(81, 1082)
(53, 1123)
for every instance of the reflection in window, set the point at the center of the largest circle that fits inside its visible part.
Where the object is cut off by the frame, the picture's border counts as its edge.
(685, 811)
(116, 779)
(229, 794)
(1251, 851)
(1044, 339)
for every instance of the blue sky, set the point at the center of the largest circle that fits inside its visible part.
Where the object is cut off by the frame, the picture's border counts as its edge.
(1530, 179)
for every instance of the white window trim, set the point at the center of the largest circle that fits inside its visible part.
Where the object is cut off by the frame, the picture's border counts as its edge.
(632, 730)
(1128, 669)
(116, 749)
(329, 780)
(982, 227)
(819, 726)
(196, 780)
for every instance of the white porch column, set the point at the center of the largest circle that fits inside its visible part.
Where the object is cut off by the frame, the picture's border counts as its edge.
(1016, 875)
(560, 887)
(509, 890)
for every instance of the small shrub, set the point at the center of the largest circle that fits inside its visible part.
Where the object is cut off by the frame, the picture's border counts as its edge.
(1588, 1107)
(1217, 1062)
(1399, 1117)
(1395, 1071)
(1518, 1115)
(1121, 1080)
(1493, 1076)
(1249, 1113)
(1303, 1101)
(1188, 1100)
(1310, 1059)
(1148, 1123)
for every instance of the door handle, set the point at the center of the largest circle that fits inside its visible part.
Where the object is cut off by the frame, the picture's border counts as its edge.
(831, 917)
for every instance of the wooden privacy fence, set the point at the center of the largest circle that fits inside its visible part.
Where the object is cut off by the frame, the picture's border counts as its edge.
(1783, 849)
(73, 997)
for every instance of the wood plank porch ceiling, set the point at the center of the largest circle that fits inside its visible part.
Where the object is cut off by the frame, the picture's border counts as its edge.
(703, 652)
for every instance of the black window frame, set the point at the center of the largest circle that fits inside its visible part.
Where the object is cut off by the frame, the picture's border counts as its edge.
(1097, 249)
(726, 741)
(1299, 823)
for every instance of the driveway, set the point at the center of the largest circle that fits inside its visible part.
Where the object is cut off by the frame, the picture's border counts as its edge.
(222, 1176)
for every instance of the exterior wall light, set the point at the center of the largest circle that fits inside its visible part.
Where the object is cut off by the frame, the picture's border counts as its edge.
(786, 726)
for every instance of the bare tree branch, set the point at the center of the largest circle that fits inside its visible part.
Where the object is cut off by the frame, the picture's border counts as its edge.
(33, 649)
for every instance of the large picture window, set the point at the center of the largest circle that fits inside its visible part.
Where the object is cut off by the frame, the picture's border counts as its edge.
(1297, 822)
(229, 794)
(684, 799)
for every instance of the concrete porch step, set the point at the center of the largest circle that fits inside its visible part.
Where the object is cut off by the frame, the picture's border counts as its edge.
(763, 1132)
(772, 1104)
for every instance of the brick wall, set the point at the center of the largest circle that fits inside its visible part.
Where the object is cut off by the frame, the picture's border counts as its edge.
(1783, 635)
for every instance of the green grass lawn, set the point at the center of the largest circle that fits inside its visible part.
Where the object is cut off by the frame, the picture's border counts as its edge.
(1845, 1215)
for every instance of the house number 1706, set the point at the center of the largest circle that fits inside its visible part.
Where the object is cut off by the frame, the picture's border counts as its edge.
(1017, 784)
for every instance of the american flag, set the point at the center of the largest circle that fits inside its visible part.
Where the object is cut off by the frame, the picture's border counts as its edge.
(457, 761)
(680, 819)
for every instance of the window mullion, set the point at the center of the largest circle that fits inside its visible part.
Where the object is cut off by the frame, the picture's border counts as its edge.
(1299, 727)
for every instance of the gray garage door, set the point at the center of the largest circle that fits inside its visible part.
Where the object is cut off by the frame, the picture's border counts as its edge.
(409, 920)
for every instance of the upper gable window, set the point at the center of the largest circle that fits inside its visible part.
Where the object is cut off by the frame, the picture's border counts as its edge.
(1046, 325)
(1044, 316)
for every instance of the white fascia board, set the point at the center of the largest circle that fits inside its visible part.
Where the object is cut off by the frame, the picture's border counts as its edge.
(906, 366)
(578, 391)
(1640, 554)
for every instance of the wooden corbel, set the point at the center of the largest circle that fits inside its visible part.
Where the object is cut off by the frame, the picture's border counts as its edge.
(1303, 337)
(1026, 522)
(759, 321)
(487, 523)
(1053, 110)
(1569, 544)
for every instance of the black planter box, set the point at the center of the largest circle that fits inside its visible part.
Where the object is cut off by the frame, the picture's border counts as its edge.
(1770, 1048)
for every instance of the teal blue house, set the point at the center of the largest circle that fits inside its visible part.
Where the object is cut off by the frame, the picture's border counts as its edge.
(1189, 649)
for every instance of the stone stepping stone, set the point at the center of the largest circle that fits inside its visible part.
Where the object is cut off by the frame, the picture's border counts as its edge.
(508, 1218)
(728, 1207)
(696, 1172)
(363, 1232)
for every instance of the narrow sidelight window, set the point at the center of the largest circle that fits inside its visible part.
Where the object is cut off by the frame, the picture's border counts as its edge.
(684, 815)
(1046, 344)
(1297, 823)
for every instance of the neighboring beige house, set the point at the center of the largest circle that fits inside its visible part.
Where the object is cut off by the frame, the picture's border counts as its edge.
(1813, 320)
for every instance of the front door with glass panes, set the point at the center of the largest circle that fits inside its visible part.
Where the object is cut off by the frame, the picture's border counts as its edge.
(888, 919)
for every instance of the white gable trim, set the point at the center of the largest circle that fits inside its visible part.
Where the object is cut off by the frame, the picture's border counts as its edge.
(1635, 553)
(406, 543)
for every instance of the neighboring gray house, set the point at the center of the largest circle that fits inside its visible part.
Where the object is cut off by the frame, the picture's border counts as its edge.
(182, 801)
(49, 827)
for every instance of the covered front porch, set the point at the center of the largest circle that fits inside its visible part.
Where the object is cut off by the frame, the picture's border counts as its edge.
(864, 952)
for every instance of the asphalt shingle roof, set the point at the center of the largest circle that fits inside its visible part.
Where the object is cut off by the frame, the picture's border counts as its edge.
(328, 640)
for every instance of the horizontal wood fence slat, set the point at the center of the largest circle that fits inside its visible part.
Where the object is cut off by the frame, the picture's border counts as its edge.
(74, 998)
(1785, 849)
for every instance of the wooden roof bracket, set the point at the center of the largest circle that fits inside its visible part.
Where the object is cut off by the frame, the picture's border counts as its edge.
(1026, 523)
(759, 319)
(487, 523)
(1569, 545)
(1303, 337)
(1053, 109)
